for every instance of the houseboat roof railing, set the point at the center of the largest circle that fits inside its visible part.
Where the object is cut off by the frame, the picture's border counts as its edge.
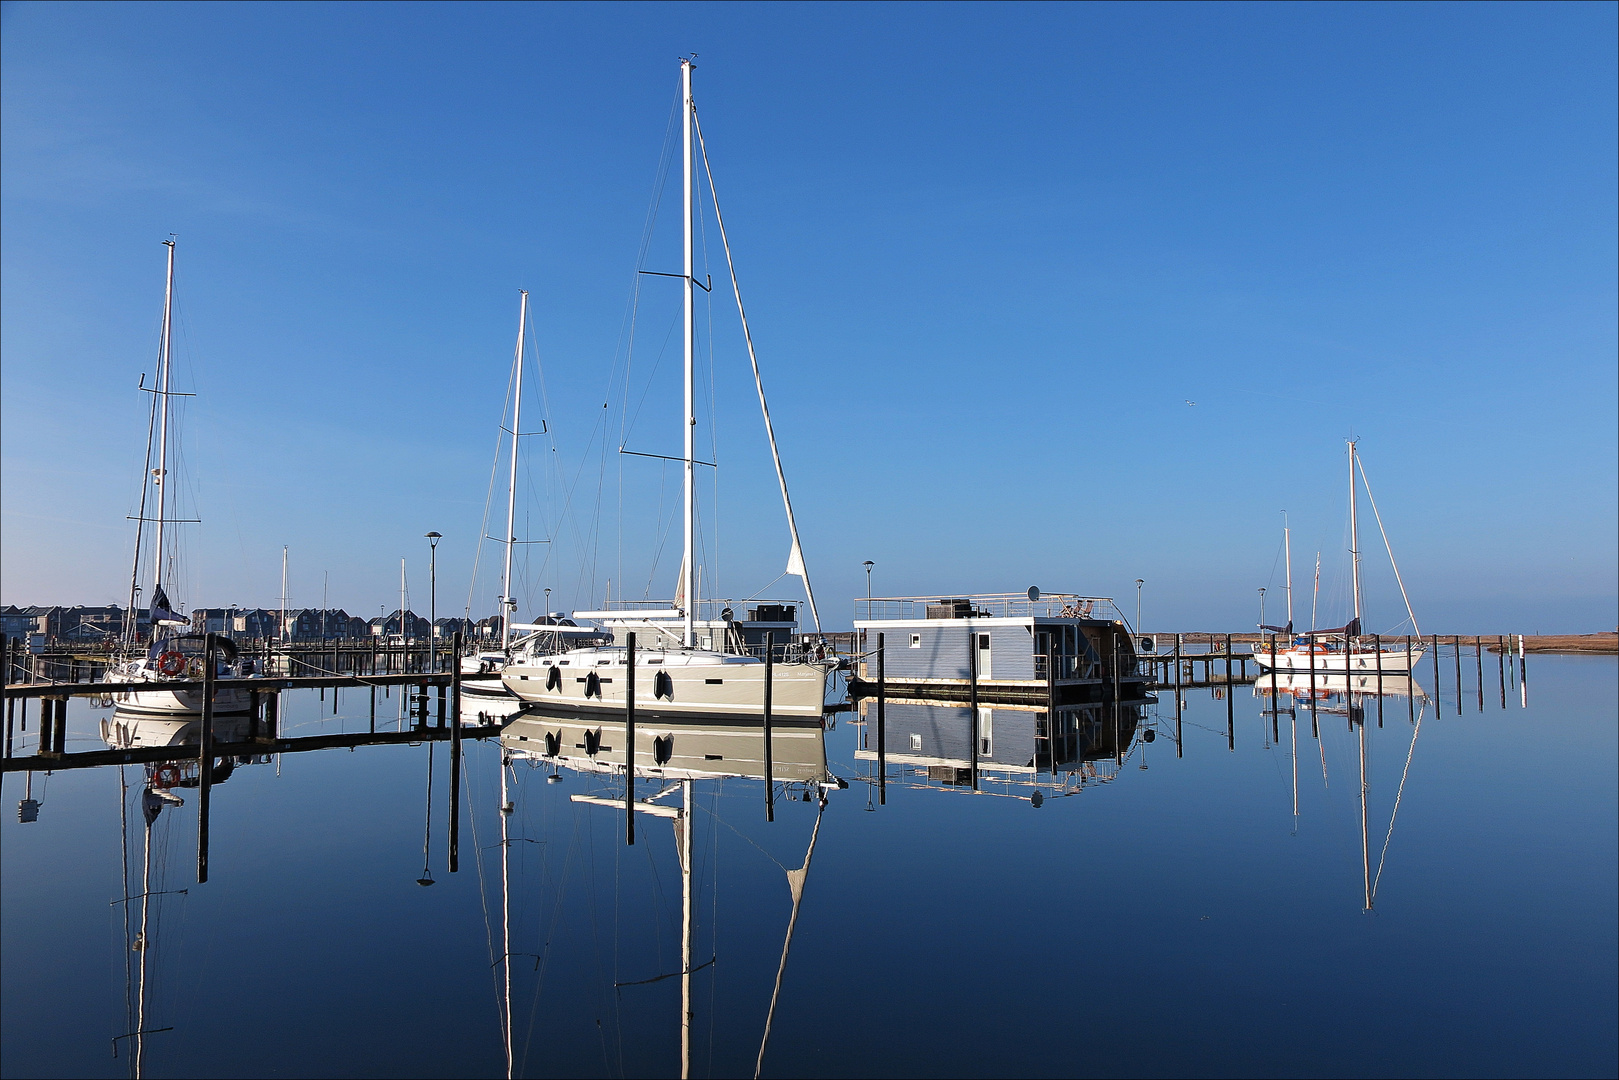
(988, 605)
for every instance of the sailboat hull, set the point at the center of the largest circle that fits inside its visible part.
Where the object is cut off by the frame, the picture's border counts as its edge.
(671, 684)
(1357, 661)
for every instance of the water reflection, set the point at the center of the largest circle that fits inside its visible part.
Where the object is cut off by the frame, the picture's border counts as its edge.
(952, 744)
(657, 778)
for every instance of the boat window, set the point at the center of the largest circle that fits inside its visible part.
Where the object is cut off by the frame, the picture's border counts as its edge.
(916, 641)
(562, 663)
(657, 661)
(713, 682)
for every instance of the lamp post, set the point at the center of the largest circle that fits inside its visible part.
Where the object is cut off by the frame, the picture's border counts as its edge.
(432, 594)
(868, 564)
(1261, 607)
(1139, 583)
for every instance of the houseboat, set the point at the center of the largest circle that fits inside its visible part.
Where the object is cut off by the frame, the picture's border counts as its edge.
(1001, 648)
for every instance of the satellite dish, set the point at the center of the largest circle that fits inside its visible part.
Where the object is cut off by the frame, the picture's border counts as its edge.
(1034, 593)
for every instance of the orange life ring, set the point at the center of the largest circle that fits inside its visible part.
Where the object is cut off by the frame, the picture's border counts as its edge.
(171, 663)
(166, 776)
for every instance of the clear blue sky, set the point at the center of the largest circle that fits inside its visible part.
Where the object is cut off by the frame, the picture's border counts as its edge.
(989, 253)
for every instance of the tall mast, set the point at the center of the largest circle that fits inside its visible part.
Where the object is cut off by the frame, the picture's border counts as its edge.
(508, 602)
(1354, 532)
(506, 913)
(1287, 545)
(404, 631)
(688, 589)
(162, 474)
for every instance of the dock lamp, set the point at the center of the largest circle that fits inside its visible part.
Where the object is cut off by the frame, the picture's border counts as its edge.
(1139, 582)
(432, 593)
(1261, 607)
(868, 564)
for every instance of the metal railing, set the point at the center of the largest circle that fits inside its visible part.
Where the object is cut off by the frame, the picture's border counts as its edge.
(993, 605)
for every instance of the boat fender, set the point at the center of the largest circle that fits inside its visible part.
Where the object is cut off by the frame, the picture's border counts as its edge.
(663, 685)
(171, 663)
(663, 747)
(553, 678)
(593, 742)
(483, 667)
(593, 687)
(553, 742)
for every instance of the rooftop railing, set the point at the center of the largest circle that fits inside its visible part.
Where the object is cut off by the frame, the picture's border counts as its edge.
(995, 605)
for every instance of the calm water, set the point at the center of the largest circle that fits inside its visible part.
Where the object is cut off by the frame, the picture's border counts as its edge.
(1172, 916)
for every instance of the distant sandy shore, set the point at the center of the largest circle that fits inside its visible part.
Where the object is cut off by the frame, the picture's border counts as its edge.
(1587, 644)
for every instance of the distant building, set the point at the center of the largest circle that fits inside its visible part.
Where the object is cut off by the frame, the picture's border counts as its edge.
(388, 626)
(324, 624)
(446, 629)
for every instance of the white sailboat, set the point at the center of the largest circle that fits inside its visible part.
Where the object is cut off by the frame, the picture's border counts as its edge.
(1344, 649)
(171, 654)
(687, 663)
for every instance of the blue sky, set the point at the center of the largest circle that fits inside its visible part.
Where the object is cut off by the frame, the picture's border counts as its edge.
(988, 252)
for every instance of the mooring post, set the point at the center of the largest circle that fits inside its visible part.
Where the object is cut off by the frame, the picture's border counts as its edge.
(253, 705)
(629, 737)
(455, 754)
(1410, 683)
(1230, 701)
(272, 716)
(1179, 749)
(1456, 646)
(882, 726)
(205, 757)
(1478, 656)
(770, 764)
(972, 720)
(61, 726)
(373, 705)
(1523, 676)
(1377, 644)
(1437, 703)
(11, 702)
(1501, 665)
(442, 690)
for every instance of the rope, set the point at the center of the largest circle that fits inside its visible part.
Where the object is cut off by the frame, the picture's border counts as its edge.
(1398, 795)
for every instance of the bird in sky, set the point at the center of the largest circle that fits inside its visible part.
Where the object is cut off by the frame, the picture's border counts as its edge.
(1189, 401)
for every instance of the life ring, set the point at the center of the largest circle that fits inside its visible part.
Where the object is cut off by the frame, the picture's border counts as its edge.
(166, 776)
(171, 663)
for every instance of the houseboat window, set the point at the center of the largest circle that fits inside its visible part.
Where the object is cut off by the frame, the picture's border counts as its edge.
(986, 732)
(916, 641)
(916, 741)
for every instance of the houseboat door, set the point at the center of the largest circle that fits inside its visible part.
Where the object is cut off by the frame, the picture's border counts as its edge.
(981, 643)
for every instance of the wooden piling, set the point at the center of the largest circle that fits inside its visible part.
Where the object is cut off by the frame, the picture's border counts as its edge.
(972, 724)
(1456, 644)
(1478, 655)
(1501, 665)
(629, 736)
(1179, 747)
(1230, 701)
(770, 764)
(205, 757)
(1377, 644)
(882, 726)
(455, 754)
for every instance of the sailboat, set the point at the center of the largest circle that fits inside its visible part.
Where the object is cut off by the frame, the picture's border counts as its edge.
(170, 654)
(481, 669)
(1344, 649)
(691, 664)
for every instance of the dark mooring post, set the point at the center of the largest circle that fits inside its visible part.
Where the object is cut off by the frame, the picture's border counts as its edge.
(11, 702)
(253, 706)
(455, 755)
(1501, 664)
(1230, 701)
(770, 764)
(1523, 676)
(205, 757)
(629, 737)
(442, 691)
(1178, 747)
(1436, 671)
(60, 745)
(972, 720)
(1410, 683)
(882, 726)
(1118, 749)
(1377, 644)
(1456, 646)
(1478, 655)
(272, 716)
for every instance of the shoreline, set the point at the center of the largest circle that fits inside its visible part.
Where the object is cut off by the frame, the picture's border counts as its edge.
(1605, 644)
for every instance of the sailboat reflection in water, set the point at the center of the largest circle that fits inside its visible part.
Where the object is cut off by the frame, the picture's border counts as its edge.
(671, 756)
(147, 901)
(1354, 698)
